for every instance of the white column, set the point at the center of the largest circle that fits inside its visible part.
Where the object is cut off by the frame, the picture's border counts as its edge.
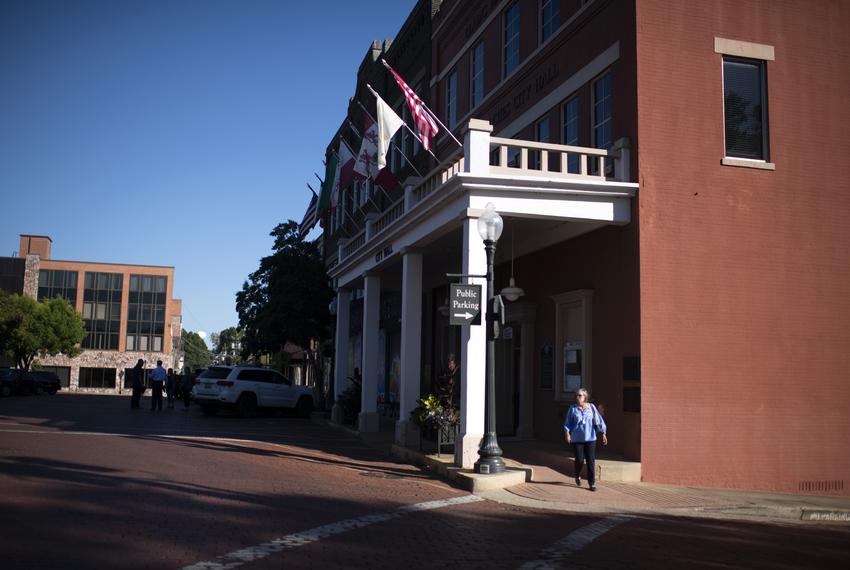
(341, 372)
(368, 421)
(473, 356)
(406, 432)
(476, 147)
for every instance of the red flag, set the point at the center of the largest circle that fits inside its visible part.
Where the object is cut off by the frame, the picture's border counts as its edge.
(386, 179)
(425, 124)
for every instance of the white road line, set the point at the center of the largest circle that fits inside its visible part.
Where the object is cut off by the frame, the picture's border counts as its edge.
(251, 553)
(552, 557)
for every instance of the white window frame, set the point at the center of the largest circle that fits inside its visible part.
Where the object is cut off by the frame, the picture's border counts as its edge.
(513, 40)
(573, 164)
(556, 13)
(581, 299)
(476, 67)
(451, 99)
(594, 126)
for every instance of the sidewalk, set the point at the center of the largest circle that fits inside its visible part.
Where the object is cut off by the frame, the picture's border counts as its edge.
(543, 484)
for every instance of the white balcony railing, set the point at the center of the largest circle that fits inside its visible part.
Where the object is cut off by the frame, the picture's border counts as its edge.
(486, 155)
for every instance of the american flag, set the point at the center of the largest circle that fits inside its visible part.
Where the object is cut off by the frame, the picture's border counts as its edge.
(425, 124)
(309, 217)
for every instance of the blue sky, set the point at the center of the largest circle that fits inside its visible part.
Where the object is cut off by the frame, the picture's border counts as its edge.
(171, 132)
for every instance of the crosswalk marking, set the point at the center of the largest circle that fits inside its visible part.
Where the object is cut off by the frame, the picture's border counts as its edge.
(251, 553)
(552, 557)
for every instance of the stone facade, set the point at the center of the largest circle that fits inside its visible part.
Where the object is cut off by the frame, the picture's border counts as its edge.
(106, 359)
(31, 276)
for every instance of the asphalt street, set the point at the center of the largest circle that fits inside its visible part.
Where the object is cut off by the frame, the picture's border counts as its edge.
(88, 483)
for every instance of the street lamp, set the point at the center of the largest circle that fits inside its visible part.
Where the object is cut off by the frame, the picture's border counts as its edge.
(489, 454)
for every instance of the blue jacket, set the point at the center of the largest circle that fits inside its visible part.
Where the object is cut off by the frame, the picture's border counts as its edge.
(580, 423)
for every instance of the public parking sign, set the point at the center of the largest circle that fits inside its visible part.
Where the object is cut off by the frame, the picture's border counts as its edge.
(465, 304)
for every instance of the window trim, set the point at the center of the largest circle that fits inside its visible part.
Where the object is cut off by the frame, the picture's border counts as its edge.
(557, 12)
(473, 75)
(747, 50)
(505, 72)
(451, 100)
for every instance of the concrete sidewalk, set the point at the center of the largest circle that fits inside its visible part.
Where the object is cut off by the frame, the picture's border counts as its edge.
(545, 485)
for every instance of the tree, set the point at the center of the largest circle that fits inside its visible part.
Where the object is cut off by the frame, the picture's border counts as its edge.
(29, 328)
(195, 351)
(227, 340)
(287, 298)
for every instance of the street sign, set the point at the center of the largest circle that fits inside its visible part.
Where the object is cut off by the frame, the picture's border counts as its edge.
(464, 304)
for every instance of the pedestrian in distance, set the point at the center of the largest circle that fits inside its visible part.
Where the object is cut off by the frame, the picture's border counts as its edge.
(157, 377)
(187, 387)
(170, 387)
(581, 425)
(138, 382)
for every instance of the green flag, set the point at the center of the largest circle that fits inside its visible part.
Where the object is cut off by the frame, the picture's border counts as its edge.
(327, 185)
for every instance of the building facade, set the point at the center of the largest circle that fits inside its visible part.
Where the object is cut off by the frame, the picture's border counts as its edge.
(129, 313)
(681, 254)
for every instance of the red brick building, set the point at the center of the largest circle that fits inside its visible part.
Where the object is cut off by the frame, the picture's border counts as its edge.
(696, 282)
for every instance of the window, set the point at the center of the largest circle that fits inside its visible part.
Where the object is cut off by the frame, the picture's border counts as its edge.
(146, 313)
(52, 282)
(97, 378)
(745, 108)
(541, 134)
(477, 74)
(102, 310)
(451, 100)
(62, 372)
(601, 128)
(511, 37)
(570, 133)
(573, 338)
(549, 18)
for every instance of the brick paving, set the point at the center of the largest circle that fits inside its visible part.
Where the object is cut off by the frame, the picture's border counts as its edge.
(113, 488)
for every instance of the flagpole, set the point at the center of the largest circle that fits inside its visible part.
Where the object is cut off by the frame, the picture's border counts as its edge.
(434, 115)
(406, 127)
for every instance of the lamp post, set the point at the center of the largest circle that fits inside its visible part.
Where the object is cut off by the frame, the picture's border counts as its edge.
(490, 454)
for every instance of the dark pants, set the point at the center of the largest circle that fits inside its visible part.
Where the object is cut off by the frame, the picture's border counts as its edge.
(137, 395)
(586, 450)
(169, 393)
(187, 395)
(156, 393)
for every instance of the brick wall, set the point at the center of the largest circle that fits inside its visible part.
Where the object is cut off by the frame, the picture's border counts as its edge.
(744, 272)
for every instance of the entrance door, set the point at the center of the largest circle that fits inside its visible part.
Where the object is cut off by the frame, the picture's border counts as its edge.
(507, 380)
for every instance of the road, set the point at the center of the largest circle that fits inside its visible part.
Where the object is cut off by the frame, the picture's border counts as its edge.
(88, 483)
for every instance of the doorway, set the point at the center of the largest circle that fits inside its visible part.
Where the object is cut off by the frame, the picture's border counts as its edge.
(507, 357)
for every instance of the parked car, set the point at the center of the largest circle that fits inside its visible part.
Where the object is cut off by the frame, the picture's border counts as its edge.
(45, 381)
(247, 389)
(15, 381)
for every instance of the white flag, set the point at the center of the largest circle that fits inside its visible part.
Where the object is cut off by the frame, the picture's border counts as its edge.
(388, 124)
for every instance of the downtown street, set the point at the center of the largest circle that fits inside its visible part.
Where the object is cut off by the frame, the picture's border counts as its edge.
(89, 483)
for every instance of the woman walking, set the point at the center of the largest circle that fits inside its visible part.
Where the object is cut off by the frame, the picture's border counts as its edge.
(582, 422)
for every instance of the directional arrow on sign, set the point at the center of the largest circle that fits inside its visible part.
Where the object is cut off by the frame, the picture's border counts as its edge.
(466, 316)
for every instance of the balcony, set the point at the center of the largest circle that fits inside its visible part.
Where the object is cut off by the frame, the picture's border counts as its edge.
(525, 178)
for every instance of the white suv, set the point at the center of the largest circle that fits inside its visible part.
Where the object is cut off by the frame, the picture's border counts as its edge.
(247, 388)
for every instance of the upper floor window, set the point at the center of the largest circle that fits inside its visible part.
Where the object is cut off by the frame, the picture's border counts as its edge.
(146, 304)
(570, 132)
(602, 111)
(52, 282)
(601, 128)
(549, 18)
(102, 310)
(541, 134)
(511, 37)
(477, 80)
(451, 100)
(745, 108)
